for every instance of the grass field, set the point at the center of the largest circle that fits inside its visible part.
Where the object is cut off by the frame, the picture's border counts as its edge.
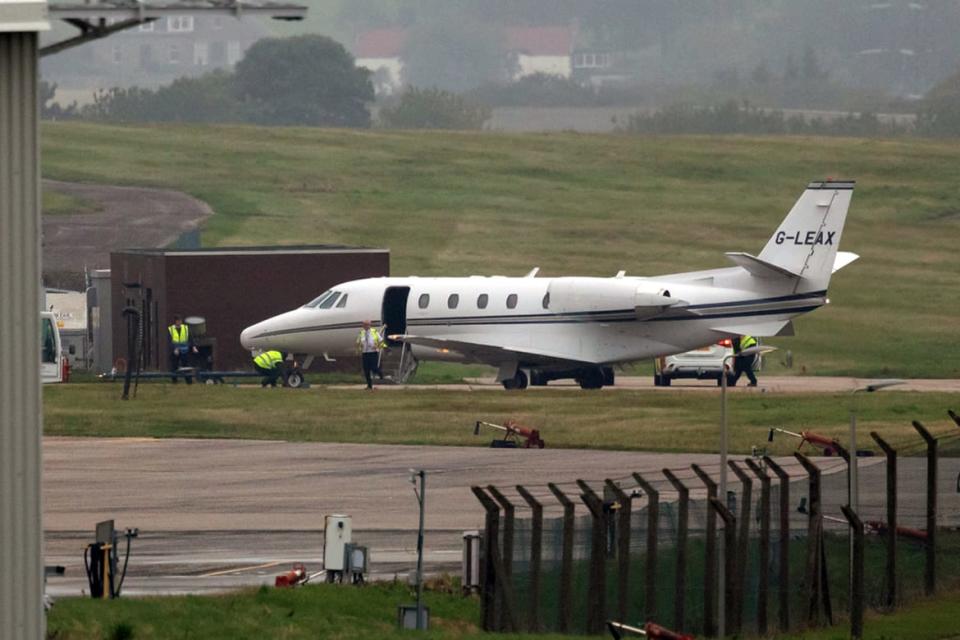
(466, 203)
(341, 613)
(630, 420)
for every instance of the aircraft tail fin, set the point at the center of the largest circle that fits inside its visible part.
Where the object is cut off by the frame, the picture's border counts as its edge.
(805, 244)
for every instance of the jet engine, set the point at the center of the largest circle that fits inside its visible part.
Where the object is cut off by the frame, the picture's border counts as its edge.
(579, 295)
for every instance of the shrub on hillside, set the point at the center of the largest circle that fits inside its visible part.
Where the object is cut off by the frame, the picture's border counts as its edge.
(207, 98)
(735, 118)
(433, 109)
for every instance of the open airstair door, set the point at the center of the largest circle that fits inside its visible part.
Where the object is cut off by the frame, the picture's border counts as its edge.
(394, 312)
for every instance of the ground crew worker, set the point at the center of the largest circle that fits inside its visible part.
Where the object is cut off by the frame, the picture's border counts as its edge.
(369, 344)
(269, 364)
(743, 364)
(180, 348)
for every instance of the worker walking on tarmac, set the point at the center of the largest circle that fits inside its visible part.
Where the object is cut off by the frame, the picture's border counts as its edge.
(269, 364)
(743, 364)
(180, 348)
(369, 344)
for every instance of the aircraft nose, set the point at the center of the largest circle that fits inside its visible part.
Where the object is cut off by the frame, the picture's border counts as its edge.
(247, 337)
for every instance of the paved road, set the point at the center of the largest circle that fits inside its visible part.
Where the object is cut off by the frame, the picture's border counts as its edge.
(216, 514)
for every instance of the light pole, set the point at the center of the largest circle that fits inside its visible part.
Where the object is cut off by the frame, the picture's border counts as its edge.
(421, 475)
(724, 446)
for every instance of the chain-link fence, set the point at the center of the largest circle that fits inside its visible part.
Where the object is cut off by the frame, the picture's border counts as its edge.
(651, 547)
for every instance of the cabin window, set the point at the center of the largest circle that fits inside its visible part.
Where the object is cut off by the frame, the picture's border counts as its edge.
(453, 300)
(424, 300)
(546, 300)
(329, 301)
(512, 301)
(482, 301)
(316, 301)
(343, 302)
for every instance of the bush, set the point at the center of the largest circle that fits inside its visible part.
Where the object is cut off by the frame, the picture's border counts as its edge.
(734, 118)
(433, 109)
(208, 98)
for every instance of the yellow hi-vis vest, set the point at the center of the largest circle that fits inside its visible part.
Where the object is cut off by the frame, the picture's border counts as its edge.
(747, 341)
(179, 335)
(268, 359)
(377, 339)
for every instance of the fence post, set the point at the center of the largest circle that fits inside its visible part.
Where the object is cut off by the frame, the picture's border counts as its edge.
(536, 557)
(709, 557)
(890, 597)
(763, 585)
(506, 551)
(623, 548)
(783, 587)
(856, 595)
(680, 581)
(566, 562)
(730, 534)
(597, 591)
(488, 577)
(653, 522)
(930, 574)
(743, 542)
(814, 535)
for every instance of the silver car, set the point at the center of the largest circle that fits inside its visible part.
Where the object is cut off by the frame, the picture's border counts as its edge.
(705, 363)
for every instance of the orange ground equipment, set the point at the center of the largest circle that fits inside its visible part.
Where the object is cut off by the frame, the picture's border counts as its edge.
(829, 445)
(513, 434)
(293, 578)
(650, 630)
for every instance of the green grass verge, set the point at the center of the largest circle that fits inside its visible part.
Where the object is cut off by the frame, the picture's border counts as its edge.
(341, 613)
(634, 420)
(482, 203)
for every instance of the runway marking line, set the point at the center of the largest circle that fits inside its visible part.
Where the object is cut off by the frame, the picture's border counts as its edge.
(224, 572)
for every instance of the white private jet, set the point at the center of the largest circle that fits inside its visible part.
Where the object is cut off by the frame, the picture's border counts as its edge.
(538, 329)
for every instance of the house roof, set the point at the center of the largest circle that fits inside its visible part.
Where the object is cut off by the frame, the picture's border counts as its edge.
(534, 41)
(540, 41)
(381, 43)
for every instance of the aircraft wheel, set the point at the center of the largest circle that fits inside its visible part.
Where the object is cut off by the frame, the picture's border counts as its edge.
(295, 380)
(591, 379)
(608, 376)
(519, 381)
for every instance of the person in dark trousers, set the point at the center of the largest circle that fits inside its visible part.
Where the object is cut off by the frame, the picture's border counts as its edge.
(180, 348)
(743, 364)
(370, 343)
(269, 364)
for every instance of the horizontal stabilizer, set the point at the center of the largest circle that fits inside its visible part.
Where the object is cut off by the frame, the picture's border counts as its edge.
(758, 329)
(760, 268)
(843, 259)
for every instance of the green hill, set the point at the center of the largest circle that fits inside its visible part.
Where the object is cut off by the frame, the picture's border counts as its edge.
(482, 203)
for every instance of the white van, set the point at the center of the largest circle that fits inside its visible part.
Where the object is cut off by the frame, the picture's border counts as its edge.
(51, 357)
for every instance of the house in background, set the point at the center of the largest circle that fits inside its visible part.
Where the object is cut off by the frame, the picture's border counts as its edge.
(153, 54)
(546, 50)
(542, 50)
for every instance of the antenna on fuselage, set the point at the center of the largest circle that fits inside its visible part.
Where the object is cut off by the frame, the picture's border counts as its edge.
(532, 273)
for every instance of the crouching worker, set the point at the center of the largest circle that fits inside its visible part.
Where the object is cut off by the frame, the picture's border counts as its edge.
(270, 365)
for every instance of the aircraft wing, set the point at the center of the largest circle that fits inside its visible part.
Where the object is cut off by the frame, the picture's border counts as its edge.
(759, 329)
(491, 353)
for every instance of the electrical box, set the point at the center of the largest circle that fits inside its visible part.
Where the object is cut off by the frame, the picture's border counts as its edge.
(337, 533)
(470, 566)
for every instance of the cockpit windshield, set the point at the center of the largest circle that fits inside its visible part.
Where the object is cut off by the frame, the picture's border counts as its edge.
(316, 301)
(325, 300)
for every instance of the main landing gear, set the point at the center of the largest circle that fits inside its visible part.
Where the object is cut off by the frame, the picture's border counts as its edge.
(586, 377)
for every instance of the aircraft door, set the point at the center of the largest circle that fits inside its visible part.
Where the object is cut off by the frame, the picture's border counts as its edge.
(394, 311)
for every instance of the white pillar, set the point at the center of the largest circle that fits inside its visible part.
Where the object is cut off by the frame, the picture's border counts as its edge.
(21, 417)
